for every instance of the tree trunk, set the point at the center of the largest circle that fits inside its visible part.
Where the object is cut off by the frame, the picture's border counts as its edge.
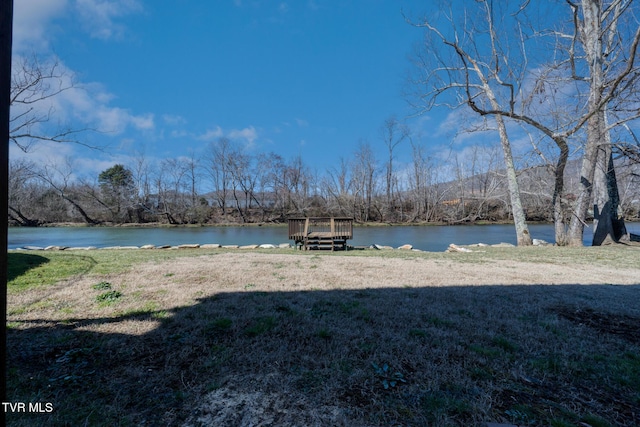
(238, 207)
(593, 49)
(81, 211)
(21, 219)
(523, 236)
(558, 190)
(587, 171)
(608, 226)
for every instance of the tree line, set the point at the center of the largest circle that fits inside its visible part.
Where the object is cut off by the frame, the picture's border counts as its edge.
(231, 186)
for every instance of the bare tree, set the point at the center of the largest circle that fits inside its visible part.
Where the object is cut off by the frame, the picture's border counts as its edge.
(177, 187)
(594, 48)
(364, 184)
(23, 191)
(243, 181)
(336, 186)
(475, 77)
(219, 165)
(59, 179)
(392, 133)
(609, 60)
(298, 186)
(141, 171)
(271, 172)
(34, 85)
(198, 209)
(420, 182)
(629, 147)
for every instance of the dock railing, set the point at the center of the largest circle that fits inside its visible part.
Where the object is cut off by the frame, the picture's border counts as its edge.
(321, 233)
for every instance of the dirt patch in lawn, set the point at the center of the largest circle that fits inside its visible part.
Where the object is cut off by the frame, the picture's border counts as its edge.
(627, 327)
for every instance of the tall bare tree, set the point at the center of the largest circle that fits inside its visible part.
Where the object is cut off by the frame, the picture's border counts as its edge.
(392, 133)
(336, 187)
(472, 76)
(605, 48)
(598, 55)
(219, 164)
(364, 181)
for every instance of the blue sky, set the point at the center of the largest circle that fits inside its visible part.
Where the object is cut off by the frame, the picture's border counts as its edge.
(167, 77)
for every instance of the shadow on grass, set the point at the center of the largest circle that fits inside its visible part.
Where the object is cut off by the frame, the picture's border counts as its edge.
(20, 263)
(412, 356)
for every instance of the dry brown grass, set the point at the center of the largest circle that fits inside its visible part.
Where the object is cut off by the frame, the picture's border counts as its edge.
(248, 338)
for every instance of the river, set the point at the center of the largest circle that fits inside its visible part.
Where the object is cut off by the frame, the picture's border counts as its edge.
(428, 238)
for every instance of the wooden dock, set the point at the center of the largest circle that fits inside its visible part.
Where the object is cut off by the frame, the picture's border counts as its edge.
(321, 233)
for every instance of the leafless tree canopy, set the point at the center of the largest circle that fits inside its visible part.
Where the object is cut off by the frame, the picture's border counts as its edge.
(572, 79)
(35, 85)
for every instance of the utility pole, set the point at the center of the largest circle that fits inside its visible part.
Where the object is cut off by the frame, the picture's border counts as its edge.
(6, 33)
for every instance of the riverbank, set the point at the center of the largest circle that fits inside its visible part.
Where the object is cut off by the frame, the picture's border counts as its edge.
(541, 335)
(431, 238)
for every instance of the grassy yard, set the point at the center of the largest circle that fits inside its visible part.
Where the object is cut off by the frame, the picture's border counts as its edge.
(527, 336)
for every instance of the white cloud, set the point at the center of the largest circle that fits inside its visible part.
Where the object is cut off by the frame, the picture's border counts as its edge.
(116, 120)
(173, 120)
(81, 162)
(77, 106)
(179, 133)
(43, 153)
(88, 106)
(89, 168)
(454, 124)
(99, 16)
(249, 134)
(32, 20)
(143, 122)
(212, 134)
(112, 120)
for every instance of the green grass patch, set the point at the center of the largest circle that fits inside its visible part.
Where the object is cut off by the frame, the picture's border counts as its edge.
(438, 322)
(595, 421)
(418, 333)
(160, 314)
(108, 298)
(260, 326)
(26, 270)
(219, 326)
(626, 370)
(484, 351)
(504, 344)
(102, 286)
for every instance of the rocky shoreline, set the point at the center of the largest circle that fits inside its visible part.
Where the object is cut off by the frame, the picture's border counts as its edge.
(452, 247)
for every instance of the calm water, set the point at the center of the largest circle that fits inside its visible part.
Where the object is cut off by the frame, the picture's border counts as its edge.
(429, 238)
